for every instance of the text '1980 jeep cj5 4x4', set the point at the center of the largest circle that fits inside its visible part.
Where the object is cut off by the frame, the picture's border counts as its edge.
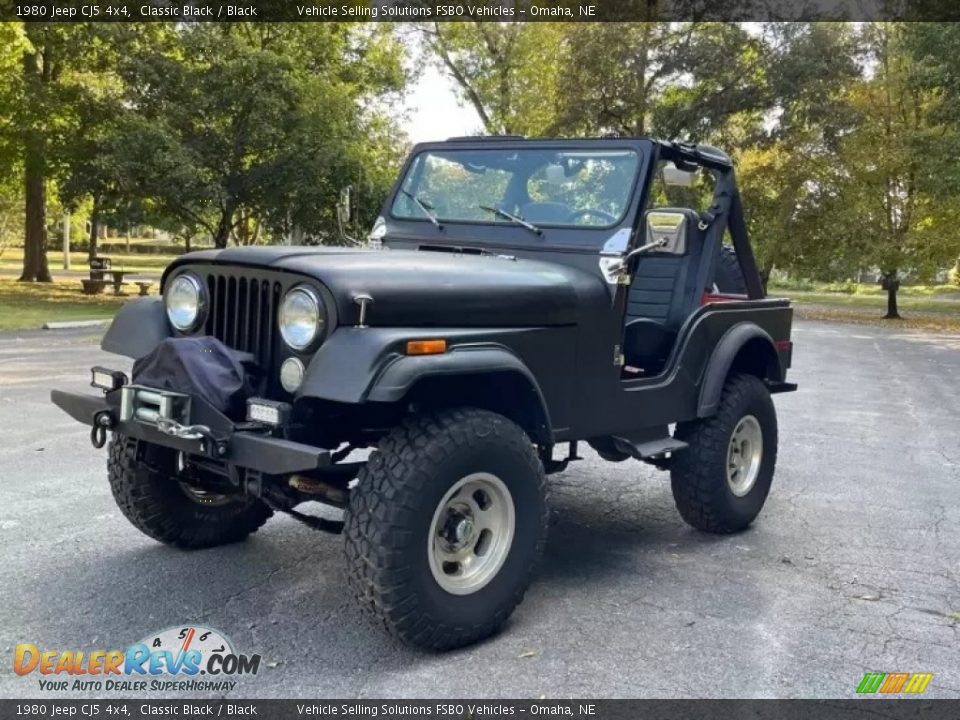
(517, 294)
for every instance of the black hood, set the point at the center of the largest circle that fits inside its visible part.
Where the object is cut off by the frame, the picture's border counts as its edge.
(425, 288)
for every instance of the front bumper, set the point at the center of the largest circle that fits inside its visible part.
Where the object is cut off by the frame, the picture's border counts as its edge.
(246, 445)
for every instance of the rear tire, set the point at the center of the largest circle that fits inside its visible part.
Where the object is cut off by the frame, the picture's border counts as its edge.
(721, 481)
(145, 485)
(417, 555)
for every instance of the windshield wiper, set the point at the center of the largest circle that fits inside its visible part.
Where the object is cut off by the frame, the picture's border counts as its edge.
(500, 212)
(424, 207)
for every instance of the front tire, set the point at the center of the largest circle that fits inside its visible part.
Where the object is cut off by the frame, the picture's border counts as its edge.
(445, 527)
(145, 485)
(721, 481)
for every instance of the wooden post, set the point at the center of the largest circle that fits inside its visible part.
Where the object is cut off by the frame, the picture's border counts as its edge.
(66, 241)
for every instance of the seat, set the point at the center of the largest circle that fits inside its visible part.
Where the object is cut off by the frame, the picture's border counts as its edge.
(662, 295)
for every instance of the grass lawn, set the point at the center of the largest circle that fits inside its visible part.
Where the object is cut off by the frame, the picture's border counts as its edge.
(26, 306)
(940, 303)
(12, 259)
(935, 308)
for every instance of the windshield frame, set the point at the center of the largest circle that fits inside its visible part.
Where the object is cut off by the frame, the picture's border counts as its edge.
(640, 147)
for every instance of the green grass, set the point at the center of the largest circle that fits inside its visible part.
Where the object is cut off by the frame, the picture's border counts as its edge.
(25, 306)
(865, 289)
(12, 259)
(922, 307)
(930, 303)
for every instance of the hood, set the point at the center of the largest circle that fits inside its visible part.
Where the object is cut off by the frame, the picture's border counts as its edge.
(423, 288)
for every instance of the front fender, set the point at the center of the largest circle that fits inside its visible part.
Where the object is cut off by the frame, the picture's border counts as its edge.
(137, 328)
(359, 364)
(722, 359)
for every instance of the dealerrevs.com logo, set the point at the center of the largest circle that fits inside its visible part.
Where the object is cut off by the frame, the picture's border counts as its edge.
(189, 659)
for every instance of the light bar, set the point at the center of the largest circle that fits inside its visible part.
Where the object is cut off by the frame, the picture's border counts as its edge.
(268, 412)
(106, 379)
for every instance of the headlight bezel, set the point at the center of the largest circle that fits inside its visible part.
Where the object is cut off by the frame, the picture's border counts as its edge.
(320, 326)
(201, 302)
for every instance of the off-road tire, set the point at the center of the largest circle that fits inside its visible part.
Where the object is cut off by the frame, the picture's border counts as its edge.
(151, 498)
(387, 525)
(728, 276)
(698, 475)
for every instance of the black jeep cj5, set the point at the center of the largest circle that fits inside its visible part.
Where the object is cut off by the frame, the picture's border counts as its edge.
(515, 295)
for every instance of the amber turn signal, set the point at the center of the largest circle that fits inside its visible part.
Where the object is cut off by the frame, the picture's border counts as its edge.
(426, 347)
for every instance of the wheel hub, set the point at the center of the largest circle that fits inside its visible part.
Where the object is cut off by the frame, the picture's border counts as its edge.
(471, 533)
(744, 455)
(458, 528)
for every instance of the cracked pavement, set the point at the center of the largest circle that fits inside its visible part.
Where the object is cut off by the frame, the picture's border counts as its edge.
(853, 566)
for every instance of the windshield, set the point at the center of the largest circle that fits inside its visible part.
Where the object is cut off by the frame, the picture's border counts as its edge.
(542, 187)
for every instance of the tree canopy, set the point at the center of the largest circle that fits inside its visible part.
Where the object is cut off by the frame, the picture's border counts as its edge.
(844, 134)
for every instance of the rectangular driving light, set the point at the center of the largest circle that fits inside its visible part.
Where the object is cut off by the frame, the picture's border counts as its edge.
(426, 347)
(106, 379)
(268, 412)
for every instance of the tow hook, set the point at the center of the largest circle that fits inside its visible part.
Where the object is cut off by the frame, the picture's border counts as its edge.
(209, 443)
(102, 421)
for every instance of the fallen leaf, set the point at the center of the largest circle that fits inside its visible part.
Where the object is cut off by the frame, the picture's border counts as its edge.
(529, 654)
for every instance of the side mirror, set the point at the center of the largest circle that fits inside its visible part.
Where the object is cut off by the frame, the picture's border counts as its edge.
(675, 177)
(667, 231)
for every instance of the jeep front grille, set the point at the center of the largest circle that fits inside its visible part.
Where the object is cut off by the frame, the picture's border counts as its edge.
(242, 313)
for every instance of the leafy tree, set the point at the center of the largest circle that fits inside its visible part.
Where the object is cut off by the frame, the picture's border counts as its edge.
(507, 70)
(40, 115)
(888, 190)
(236, 124)
(790, 175)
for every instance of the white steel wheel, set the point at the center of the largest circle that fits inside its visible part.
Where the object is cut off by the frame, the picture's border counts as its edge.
(471, 533)
(744, 455)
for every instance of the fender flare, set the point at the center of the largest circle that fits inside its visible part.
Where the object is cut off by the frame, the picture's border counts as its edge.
(400, 378)
(722, 358)
(137, 328)
(358, 365)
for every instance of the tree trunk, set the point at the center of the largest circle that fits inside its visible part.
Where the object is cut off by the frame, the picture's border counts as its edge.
(35, 267)
(892, 312)
(224, 227)
(94, 229)
(891, 283)
(765, 277)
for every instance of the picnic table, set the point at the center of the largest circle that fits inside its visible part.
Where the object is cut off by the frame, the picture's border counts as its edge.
(118, 281)
(102, 272)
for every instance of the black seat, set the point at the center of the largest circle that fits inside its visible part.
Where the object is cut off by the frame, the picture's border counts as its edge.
(663, 293)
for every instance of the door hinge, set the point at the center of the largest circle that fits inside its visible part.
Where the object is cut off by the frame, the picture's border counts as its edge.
(618, 359)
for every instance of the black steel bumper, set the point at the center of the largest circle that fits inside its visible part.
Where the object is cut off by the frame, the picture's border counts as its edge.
(245, 446)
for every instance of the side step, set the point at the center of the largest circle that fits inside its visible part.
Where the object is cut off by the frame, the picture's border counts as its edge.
(644, 448)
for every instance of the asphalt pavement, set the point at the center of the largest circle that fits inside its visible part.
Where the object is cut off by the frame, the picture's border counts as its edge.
(853, 565)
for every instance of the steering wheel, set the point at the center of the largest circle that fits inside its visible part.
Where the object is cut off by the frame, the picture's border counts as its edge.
(576, 214)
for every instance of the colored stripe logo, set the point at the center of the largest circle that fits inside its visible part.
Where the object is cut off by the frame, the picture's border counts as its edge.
(893, 683)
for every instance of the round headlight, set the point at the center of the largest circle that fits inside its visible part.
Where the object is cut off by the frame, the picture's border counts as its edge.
(301, 317)
(184, 300)
(291, 374)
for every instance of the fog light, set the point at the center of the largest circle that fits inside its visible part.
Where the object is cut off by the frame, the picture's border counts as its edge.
(291, 374)
(268, 412)
(106, 379)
